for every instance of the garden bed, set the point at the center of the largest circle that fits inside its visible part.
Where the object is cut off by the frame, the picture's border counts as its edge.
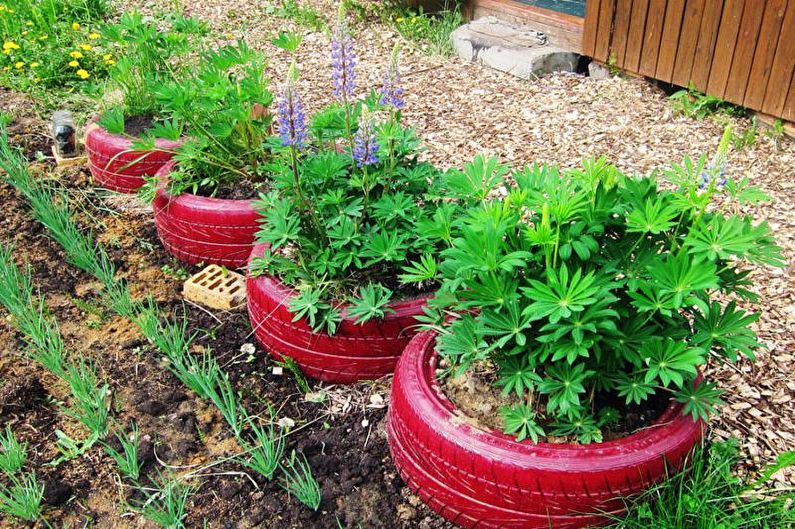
(460, 110)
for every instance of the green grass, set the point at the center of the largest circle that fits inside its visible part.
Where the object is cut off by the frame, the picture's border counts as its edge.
(22, 499)
(166, 505)
(711, 496)
(12, 452)
(299, 482)
(430, 32)
(127, 460)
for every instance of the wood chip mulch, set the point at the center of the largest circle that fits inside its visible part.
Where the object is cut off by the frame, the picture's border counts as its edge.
(463, 109)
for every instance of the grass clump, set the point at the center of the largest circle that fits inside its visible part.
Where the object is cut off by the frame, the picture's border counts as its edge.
(22, 499)
(710, 496)
(166, 505)
(127, 460)
(12, 452)
(299, 482)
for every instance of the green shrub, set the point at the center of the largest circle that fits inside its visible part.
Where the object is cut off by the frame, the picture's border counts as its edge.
(586, 281)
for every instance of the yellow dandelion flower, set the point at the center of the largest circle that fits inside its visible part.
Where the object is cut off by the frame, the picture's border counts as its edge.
(110, 62)
(107, 56)
(25, 32)
(76, 55)
(86, 47)
(74, 64)
(93, 36)
(75, 26)
(28, 23)
(10, 45)
(19, 65)
(229, 36)
(44, 37)
(34, 65)
(82, 74)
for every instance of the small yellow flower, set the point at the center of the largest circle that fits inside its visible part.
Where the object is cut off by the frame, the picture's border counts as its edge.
(229, 36)
(44, 37)
(74, 64)
(6, 68)
(2, 8)
(86, 47)
(399, 20)
(34, 65)
(93, 36)
(76, 55)
(36, 79)
(19, 65)
(24, 32)
(82, 74)
(107, 56)
(110, 62)
(28, 23)
(75, 26)
(10, 45)
(6, 52)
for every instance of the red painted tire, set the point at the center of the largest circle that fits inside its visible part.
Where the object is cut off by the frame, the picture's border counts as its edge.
(116, 166)
(355, 352)
(485, 479)
(198, 229)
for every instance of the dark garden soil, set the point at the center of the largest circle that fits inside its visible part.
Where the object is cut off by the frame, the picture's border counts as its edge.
(341, 430)
(135, 126)
(243, 189)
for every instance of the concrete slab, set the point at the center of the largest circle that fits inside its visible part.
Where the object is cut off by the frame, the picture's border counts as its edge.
(512, 49)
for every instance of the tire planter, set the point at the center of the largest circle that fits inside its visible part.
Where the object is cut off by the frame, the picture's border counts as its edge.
(116, 166)
(355, 352)
(485, 479)
(205, 230)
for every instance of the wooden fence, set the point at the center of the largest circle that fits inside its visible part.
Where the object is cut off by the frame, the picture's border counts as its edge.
(742, 51)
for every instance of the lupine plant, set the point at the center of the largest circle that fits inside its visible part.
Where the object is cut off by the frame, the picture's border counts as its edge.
(148, 56)
(366, 204)
(587, 283)
(224, 104)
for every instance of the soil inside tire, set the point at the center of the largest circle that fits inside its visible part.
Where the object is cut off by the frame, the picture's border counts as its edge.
(135, 126)
(477, 396)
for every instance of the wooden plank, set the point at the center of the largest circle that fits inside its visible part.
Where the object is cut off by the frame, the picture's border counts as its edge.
(765, 53)
(669, 41)
(637, 27)
(725, 46)
(688, 40)
(655, 20)
(747, 39)
(708, 36)
(783, 65)
(618, 47)
(788, 113)
(564, 31)
(591, 27)
(606, 11)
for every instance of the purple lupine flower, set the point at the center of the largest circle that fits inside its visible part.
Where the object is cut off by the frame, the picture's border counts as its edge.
(392, 91)
(292, 120)
(365, 146)
(343, 60)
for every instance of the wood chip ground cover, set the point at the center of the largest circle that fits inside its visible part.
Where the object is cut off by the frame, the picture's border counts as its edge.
(460, 109)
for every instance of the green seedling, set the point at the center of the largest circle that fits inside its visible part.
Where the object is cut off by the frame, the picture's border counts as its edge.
(12, 452)
(22, 499)
(127, 460)
(166, 505)
(299, 482)
(265, 452)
